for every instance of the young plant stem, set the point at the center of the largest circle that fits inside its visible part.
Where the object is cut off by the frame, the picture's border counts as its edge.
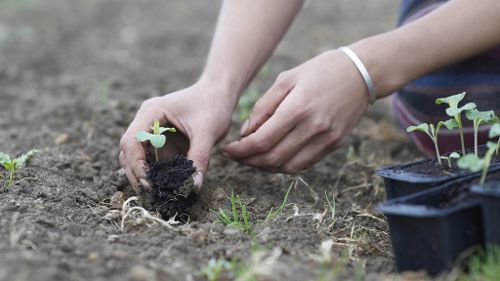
(487, 159)
(436, 146)
(476, 128)
(11, 177)
(156, 154)
(461, 134)
(498, 146)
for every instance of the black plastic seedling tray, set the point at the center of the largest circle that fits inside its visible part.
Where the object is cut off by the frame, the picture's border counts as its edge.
(490, 200)
(429, 235)
(401, 180)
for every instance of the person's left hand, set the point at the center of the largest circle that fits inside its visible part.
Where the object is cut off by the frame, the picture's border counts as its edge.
(304, 116)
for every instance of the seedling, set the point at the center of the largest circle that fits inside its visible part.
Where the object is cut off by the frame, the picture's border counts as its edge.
(238, 216)
(214, 268)
(453, 155)
(12, 165)
(456, 112)
(478, 118)
(476, 164)
(157, 139)
(432, 132)
(273, 214)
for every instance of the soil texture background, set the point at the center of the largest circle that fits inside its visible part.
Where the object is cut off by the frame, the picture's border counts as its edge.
(73, 74)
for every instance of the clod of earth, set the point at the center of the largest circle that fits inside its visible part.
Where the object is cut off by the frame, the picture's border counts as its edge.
(168, 195)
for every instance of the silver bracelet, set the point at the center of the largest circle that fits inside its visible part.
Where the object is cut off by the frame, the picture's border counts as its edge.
(362, 69)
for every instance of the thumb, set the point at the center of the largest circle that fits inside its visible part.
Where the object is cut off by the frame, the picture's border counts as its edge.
(200, 149)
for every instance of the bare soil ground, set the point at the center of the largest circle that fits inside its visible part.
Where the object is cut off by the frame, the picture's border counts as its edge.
(72, 75)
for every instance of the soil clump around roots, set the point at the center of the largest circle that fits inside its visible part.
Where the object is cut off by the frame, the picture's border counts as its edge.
(167, 196)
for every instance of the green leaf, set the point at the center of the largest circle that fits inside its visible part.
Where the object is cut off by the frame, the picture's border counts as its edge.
(482, 116)
(143, 136)
(450, 124)
(452, 101)
(4, 158)
(455, 155)
(492, 145)
(163, 130)
(21, 160)
(471, 162)
(454, 111)
(10, 165)
(494, 131)
(158, 141)
(424, 127)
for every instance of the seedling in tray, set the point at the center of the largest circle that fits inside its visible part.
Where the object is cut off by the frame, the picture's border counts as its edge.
(157, 139)
(478, 118)
(495, 132)
(476, 164)
(456, 112)
(432, 132)
(453, 155)
(12, 165)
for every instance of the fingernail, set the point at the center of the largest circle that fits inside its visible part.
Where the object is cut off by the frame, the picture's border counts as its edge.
(198, 179)
(244, 127)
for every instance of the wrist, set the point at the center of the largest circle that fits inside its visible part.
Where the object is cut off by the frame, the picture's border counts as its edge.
(223, 88)
(383, 62)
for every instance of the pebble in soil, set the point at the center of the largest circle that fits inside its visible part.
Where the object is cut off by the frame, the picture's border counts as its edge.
(168, 195)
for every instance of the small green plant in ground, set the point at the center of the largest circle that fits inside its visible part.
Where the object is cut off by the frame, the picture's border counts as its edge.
(455, 111)
(432, 132)
(214, 268)
(483, 266)
(453, 155)
(157, 139)
(475, 164)
(331, 205)
(12, 165)
(479, 118)
(237, 217)
(273, 214)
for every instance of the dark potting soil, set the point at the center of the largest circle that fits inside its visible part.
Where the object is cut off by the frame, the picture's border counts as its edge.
(167, 178)
(462, 193)
(431, 167)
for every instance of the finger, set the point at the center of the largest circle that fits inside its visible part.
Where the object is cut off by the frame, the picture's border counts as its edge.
(285, 150)
(128, 170)
(269, 134)
(267, 104)
(200, 149)
(312, 153)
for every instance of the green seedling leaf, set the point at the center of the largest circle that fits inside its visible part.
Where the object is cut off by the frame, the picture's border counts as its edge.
(163, 130)
(450, 124)
(143, 136)
(452, 101)
(424, 128)
(471, 162)
(481, 116)
(454, 111)
(454, 155)
(494, 131)
(158, 141)
(21, 160)
(4, 158)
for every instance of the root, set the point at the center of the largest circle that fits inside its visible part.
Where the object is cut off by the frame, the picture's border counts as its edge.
(139, 216)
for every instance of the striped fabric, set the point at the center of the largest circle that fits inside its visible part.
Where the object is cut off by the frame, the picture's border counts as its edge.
(415, 102)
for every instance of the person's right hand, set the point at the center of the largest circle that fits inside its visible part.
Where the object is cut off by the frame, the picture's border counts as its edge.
(201, 114)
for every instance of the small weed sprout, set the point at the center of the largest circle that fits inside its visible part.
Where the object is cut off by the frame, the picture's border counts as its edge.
(476, 164)
(479, 118)
(12, 165)
(432, 132)
(453, 155)
(157, 139)
(237, 217)
(214, 268)
(456, 112)
(273, 214)
(331, 205)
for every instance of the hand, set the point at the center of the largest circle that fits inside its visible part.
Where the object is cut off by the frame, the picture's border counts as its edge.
(201, 116)
(304, 116)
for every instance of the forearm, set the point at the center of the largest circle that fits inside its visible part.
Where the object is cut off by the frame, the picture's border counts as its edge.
(247, 33)
(458, 30)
